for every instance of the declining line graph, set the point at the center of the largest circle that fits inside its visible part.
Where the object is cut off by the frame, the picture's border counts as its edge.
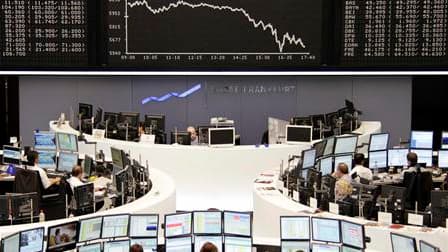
(280, 39)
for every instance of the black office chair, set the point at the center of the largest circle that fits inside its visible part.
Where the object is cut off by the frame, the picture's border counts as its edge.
(347, 207)
(84, 198)
(419, 186)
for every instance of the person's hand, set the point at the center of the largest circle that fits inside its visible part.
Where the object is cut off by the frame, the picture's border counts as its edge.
(57, 180)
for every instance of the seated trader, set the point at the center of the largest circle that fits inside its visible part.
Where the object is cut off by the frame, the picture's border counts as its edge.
(76, 178)
(193, 135)
(103, 177)
(136, 248)
(360, 171)
(33, 161)
(343, 188)
(209, 247)
(413, 165)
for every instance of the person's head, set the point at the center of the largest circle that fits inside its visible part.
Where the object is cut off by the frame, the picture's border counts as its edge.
(136, 248)
(192, 132)
(33, 158)
(57, 232)
(209, 247)
(342, 170)
(359, 159)
(77, 171)
(412, 159)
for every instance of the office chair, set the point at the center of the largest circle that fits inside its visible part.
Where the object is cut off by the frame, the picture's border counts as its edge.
(419, 186)
(84, 199)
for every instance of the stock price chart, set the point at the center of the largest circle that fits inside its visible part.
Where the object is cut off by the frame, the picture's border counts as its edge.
(214, 33)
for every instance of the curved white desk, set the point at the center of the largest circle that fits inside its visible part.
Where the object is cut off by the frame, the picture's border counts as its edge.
(211, 177)
(274, 204)
(160, 200)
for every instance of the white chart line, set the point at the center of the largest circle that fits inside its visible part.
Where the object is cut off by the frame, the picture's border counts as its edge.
(281, 42)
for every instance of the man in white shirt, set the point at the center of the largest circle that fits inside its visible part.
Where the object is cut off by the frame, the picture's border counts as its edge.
(33, 162)
(343, 188)
(75, 179)
(360, 170)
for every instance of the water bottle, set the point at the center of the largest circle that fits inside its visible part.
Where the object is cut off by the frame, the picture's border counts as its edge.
(41, 216)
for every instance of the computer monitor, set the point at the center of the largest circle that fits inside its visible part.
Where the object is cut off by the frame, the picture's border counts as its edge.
(115, 226)
(11, 243)
(85, 110)
(200, 240)
(298, 134)
(421, 139)
(88, 164)
(444, 144)
(350, 249)
(237, 244)
(178, 244)
(237, 223)
(12, 155)
(423, 156)
(66, 161)
(111, 118)
(379, 141)
(117, 157)
(116, 246)
(353, 234)
(378, 159)
(443, 159)
(44, 140)
(402, 243)
(143, 225)
(95, 247)
(329, 146)
(221, 136)
(155, 122)
(295, 228)
(47, 159)
(32, 240)
(308, 158)
(304, 120)
(131, 118)
(67, 142)
(326, 166)
(345, 144)
(326, 230)
(294, 246)
(90, 229)
(318, 247)
(178, 224)
(148, 244)
(397, 157)
(347, 159)
(426, 247)
(207, 222)
(62, 237)
(320, 148)
(181, 137)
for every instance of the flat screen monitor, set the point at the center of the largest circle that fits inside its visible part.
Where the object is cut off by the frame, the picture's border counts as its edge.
(181, 137)
(443, 159)
(379, 141)
(117, 157)
(116, 246)
(318, 247)
(207, 222)
(12, 155)
(444, 144)
(85, 110)
(421, 140)
(90, 229)
(111, 118)
(67, 142)
(44, 140)
(426, 247)
(66, 161)
(346, 159)
(88, 164)
(345, 144)
(131, 118)
(32, 240)
(200, 240)
(148, 244)
(352, 234)
(305, 120)
(402, 243)
(298, 134)
(178, 244)
(238, 223)
(294, 228)
(397, 157)
(144, 225)
(326, 166)
(294, 246)
(329, 146)
(326, 230)
(155, 122)
(221, 136)
(237, 244)
(378, 159)
(95, 247)
(115, 226)
(308, 158)
(11, 243)
(350, 249)
(47, 159)
(320, 148)
(423, 156)
(178, 224)
(62, 237)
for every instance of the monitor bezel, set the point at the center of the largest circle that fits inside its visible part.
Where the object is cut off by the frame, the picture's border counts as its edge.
(90, 244)
(236, 212)
(221, 129)
(16, 149)
(66, 153)
(410, 139)
(139, 215)
(436, 249)
(403, 236)
(333, 139)
(27, 230)
(66, 150)
(114, 215)
(324, 141)
(86, 219)
(363, 234)
(208, 234)
(66, 247)
(321, 218)
(295, 217)
(303, 155)
(45, 132)
(2, 241)
(202, 235)
(407, 149)
(55, 156)
(332, 164)
(181, 235)
(376, 134)
(387, 160)
(344, 137)
(310, 128)
(178, 237)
